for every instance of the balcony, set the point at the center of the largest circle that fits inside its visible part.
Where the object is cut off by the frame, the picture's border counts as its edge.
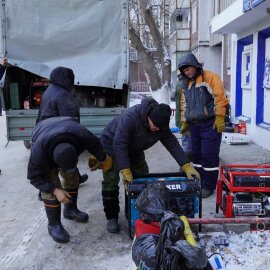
(223, 4)
(234, 20)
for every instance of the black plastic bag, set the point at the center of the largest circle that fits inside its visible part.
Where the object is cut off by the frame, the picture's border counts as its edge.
(144, 250)
(181, 255)
(167, 251)
(174, 253)
(152, 203)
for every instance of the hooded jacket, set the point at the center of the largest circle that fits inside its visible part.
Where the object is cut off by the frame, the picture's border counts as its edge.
(181, 87)
(204, 98)
(46, 136)
(57, 100)
(128, 135)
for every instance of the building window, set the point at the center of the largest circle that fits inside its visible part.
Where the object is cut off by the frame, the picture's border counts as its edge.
(243, 77)
(246, 69)
(180, 19)
(194, 18)
(266, 79)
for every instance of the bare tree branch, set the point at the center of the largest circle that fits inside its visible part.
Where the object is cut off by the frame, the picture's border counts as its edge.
(144, 28)
(157, 38)
(147, 60)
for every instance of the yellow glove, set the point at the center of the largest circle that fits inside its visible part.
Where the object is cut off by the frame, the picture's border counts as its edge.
(184, 127)
(188, 169)
(219, 123)
(127, 177)
(94, 164)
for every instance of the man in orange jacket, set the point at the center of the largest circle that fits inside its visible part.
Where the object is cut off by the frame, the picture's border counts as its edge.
(203, 108)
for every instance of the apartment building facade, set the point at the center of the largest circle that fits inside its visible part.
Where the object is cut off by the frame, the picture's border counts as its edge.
(248, 23)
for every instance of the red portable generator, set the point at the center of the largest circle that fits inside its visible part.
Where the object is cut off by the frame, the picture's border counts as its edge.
(244, 190)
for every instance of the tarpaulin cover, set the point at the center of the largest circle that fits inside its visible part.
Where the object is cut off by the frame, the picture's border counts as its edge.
(88, 36)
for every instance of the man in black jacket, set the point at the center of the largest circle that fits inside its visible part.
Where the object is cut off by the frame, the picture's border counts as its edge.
(125, 138)
(56, 144)
(58, 100)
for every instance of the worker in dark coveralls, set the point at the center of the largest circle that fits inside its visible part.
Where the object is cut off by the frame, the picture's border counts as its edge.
(125, 138)
(203, 111)
(56, 144)
(58, 100)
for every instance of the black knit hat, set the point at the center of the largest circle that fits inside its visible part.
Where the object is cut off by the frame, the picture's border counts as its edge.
(65, 156)
(160, 115)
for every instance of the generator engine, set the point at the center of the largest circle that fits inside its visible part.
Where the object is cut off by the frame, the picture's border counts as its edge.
(251, 204)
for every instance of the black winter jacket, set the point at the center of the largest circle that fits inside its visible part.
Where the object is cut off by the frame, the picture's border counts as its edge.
(58, 100)
(128, 135)
(51, 132)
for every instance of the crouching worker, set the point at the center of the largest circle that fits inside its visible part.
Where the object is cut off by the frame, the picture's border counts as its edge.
(124, 139)
(56, 144)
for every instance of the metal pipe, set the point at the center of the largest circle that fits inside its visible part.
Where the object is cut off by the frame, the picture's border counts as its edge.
(247, 220)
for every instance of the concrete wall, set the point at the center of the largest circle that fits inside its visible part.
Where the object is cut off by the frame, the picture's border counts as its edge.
(211, 58)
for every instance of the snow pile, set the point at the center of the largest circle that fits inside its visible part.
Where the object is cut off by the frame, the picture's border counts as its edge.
(247, 251)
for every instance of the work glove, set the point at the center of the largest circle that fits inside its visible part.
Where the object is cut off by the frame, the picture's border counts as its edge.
(127, 177)
(94, 164)
(188, 169)
(219, 123)
(184, 127)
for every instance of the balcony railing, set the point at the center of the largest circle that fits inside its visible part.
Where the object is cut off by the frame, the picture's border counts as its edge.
(223, 4)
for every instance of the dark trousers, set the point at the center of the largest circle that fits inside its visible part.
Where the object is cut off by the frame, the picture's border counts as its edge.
(110, 184)
(205, 152)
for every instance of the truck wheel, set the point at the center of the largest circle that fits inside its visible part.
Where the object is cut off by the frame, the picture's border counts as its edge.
(27, 144)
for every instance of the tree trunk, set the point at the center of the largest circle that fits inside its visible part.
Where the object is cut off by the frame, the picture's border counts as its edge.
(147, 60)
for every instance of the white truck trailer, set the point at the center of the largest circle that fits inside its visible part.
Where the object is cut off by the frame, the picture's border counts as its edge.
(90, 37)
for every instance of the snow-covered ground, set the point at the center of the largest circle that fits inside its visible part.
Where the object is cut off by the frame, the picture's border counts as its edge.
(246, 251)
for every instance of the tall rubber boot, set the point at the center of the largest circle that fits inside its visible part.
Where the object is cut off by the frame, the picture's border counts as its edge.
(71, 210)
(55, 227)
(111, 209)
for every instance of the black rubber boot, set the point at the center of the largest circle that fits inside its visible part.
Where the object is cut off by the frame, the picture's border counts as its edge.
(111, 209)
(71, 210)
(113, 226)
(83, 178)
(55, 227)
